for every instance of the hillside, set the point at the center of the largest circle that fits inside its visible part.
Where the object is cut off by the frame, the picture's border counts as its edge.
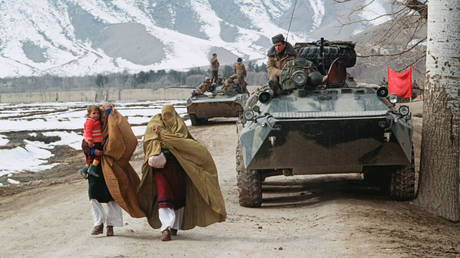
(390, 38)
(88, 37)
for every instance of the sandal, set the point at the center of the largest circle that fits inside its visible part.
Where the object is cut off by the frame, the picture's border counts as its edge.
(98, 230)
(165, 235)
(109, 231)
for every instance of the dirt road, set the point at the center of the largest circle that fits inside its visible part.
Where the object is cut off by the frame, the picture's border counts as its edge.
(311, 216)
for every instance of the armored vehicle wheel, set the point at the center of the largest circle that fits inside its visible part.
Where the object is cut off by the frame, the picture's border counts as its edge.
(203, 120)
(398, 182)
(197, 121)
(193, 119)
(402, 186)
(249, 183)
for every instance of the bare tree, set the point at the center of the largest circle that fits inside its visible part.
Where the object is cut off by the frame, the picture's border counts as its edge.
(407, 20)
(439, 171)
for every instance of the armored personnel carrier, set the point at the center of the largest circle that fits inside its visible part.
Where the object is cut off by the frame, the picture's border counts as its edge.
(320, 124)
(216, 103)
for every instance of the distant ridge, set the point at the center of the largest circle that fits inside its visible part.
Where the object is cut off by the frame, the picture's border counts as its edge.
(87, 37)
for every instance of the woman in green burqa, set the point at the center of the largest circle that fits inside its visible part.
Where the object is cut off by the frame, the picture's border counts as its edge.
(179, 187)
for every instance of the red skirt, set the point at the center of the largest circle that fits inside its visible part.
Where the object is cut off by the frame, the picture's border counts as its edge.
(170, 184)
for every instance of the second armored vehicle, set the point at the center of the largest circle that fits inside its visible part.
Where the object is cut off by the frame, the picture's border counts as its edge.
(201, 107)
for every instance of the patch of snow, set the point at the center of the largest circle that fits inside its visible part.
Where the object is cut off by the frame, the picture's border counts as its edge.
(31, 158)
(64, 120)
(3, 140)
(356, 31)
(277, 7)
(138, 130)
(259, 15)
(209, 19)
(372, 10)
(319, 11)
(71, 139)
(12, 181)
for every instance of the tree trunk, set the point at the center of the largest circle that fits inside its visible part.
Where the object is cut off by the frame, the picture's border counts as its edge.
(439, 168)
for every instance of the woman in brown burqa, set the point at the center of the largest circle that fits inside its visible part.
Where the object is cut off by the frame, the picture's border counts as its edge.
(179, 187)
(118, 183)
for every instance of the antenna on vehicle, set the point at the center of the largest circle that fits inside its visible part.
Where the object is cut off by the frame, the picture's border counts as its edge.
(290, 22)
(321, 54)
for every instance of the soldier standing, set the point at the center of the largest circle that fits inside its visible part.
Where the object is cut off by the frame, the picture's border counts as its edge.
(278, 56)
(214, 68)
(240, 70)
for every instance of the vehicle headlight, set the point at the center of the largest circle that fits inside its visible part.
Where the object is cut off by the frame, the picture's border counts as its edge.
(189, 102)
(264, 97)
(404, 110)
(248, 115)
(393, 98)
(299, 77)
(382, 92)
(256, 109)
(316, 78)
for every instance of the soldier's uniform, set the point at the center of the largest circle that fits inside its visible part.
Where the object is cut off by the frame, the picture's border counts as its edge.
(203, 87)
(277, 61)
(214, 69)
(240, 70)
(232, 85)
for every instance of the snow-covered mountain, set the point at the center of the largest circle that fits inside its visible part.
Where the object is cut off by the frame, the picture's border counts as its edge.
(80, 37)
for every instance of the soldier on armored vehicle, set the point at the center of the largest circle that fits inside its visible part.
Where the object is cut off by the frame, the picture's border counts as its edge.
(240, 70)
(278, 56)
(316, 64)
(233, 85)
(205, 86)
(211, 100)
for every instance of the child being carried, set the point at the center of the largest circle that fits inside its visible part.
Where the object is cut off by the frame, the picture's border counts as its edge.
(92, 134)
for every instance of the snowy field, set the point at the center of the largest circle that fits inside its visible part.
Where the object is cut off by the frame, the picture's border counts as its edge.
(29, 131)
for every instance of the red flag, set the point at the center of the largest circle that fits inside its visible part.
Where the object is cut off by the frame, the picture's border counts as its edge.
(400, 83)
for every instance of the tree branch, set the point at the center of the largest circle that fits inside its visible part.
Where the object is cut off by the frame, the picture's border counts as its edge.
(396, 54)
(417, 6)
(418, 59)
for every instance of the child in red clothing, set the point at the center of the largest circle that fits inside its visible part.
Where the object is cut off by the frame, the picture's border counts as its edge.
(92, 134)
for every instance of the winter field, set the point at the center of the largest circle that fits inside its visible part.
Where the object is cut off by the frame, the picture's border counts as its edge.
(31, 134)
(48, 215)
